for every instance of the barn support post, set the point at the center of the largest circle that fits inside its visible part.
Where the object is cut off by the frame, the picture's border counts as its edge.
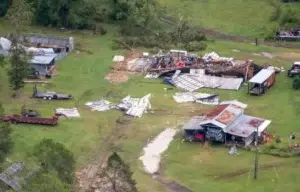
(256, 156)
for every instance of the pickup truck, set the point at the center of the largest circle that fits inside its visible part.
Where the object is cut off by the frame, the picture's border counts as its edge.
(294, 70)
(50, 95)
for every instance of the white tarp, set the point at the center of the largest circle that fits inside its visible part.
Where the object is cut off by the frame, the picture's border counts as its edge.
(5, 44)
(153, 151)
(101, 105)
(68, 112)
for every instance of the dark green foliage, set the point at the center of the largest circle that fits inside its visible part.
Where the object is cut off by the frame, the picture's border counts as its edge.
(195, 46)
(296, 83)
(290, 18)
(45, 182)
(119, 174)
(6, 143)
(4, 5)
(55, 157)
(2, 61)
(19, 68)
(20, 15)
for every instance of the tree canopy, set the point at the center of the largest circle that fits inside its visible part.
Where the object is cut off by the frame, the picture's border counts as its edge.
(54, 157)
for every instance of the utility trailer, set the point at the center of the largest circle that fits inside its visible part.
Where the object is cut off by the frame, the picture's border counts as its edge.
(30, 120)
(50, 95)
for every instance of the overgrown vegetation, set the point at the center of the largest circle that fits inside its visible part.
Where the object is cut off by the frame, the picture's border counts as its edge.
(54, 157)
(116, 176)
(296, 83)
(6, 142)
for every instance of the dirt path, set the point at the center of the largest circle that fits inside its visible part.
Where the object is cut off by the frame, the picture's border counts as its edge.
(171, 185)
(86, 176)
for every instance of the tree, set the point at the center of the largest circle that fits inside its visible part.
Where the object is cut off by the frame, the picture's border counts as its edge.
(6, 143)
(45, 182)
(296, 83)
(116, 176)
(54, 157)
(19, 68)
(19, 15)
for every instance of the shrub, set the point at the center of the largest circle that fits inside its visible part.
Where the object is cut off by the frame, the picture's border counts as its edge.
(195, 46)
(296, 83)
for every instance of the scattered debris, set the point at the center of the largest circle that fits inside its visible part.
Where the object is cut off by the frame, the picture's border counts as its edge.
(153, 151)
(267, 55)
(136, 107)
(101, 105)
(203, 98)
(233, 151)
(215, 57)
(118, 58)
(152, 76)
(67, 112)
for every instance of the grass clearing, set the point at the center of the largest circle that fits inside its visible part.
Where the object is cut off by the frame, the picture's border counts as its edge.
(236, 17)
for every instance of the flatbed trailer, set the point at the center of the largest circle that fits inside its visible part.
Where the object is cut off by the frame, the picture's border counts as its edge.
(30, 120)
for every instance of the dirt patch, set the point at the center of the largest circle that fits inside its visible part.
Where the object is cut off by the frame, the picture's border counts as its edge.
(117, 77)
(289, 56)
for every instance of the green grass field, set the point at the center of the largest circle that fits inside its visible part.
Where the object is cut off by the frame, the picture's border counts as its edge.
(235, 17)
(82, 74)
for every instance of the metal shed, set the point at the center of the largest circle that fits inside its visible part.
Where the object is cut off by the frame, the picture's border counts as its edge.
(261, 82)
(42, 63)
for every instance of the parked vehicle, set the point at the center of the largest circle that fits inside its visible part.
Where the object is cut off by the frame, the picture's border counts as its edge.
(30, 113)
(30, 120)
(295, 69)
(50, 95)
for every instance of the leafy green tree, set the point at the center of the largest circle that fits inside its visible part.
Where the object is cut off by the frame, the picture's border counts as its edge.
(19, 68)
(296, 83)
(19, 15)
(4, 5)
(53, 156)
(6, 142)
(45, 182)
(119, 175)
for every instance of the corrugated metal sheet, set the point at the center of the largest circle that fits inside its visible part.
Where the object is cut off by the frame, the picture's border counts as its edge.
(189, 82)
(194, 123)
(43, 59)
(262, 76)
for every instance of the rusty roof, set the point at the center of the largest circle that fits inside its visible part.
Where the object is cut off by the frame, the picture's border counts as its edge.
(217, 111)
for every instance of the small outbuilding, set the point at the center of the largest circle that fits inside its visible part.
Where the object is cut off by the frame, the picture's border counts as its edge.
(42, 64)
(261, 82)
